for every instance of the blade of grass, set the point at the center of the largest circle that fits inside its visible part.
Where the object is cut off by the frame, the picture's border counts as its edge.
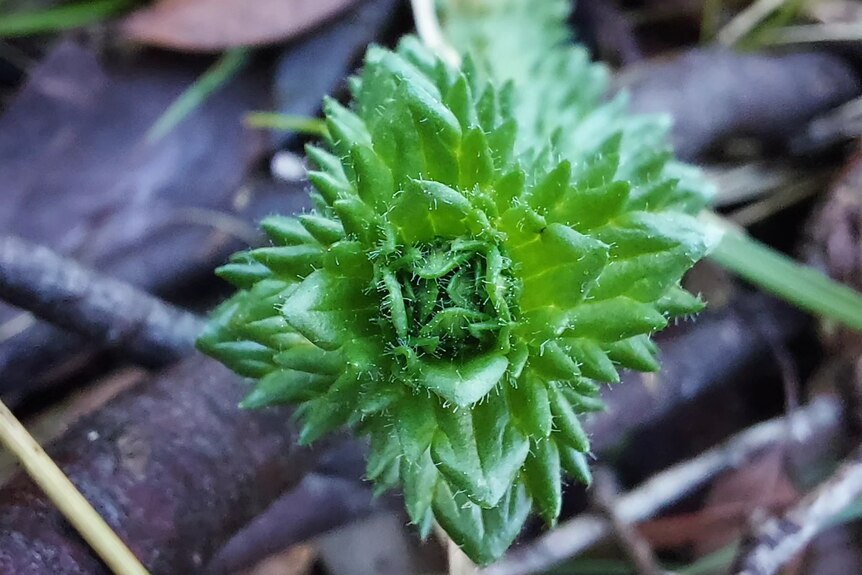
(215, 77)
(710, 19)
(286, 123)
(744, 22)
(66, 496)
(61, 17)
(780, 275)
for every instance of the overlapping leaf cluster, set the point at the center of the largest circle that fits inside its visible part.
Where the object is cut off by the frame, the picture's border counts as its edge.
(461, 287)
(560, 92)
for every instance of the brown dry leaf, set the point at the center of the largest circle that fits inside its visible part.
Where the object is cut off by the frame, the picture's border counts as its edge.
(214, 25)
(762, 486)
(295, 560)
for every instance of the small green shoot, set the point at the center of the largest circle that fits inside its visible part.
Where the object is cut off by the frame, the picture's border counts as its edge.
(225, 68)
(778, 274)
(286, 123)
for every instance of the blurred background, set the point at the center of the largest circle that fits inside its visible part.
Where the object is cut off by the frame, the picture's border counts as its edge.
(145, 140)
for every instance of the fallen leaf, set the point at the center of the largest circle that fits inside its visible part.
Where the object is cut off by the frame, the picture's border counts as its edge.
(295, 560)
(215, 25)
(761, 486)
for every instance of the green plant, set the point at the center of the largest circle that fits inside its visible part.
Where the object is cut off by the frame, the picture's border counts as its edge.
(488, 244)
(63, 17)
(477, 260)
(228, 65)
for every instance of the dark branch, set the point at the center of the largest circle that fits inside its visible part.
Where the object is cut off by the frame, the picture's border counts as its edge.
(104, 310)
(173, 466)
(316, 505)
(716, 93)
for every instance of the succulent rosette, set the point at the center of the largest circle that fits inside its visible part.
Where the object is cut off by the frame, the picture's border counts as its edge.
(461, 289)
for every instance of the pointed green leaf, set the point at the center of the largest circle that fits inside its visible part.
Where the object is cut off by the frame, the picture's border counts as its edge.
(243, 271)
(483, 534)
(550, 190)
(487, 109)
(581, 401)
(286, 231)
(394, 302)
(292, 261)
(428, 210)
(286, 386)
(374, 181)
(462, 383)
(416, 424)
(319, 417)
(556, 264)
(587, 208)
(325, 230)
(419, 480)
(552, 362)
(576, 464)
(542, 478)
(638, 353)
(460, 101)
(325, 161)
(329, 412)
(357, 218)
(307, 357)
(479, 452)
(645, 277)
(501, 141)
(592, 359)
(529, 405)
(566, 421)
(678, 302)
(330, 188)
(477, 165)
(323, 304)
(345, 129)
(384, 451)
(509, 187)
(614, 319)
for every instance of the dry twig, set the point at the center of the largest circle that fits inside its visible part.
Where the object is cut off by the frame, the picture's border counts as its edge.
(105, 310)
(747, 20)
(605, 496)
(779, 539)
(153, 461)
(714, 94)
(66, 497)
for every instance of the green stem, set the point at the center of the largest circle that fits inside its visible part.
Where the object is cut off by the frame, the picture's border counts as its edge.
(215, 77)
(776, 273)
(286, 123)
